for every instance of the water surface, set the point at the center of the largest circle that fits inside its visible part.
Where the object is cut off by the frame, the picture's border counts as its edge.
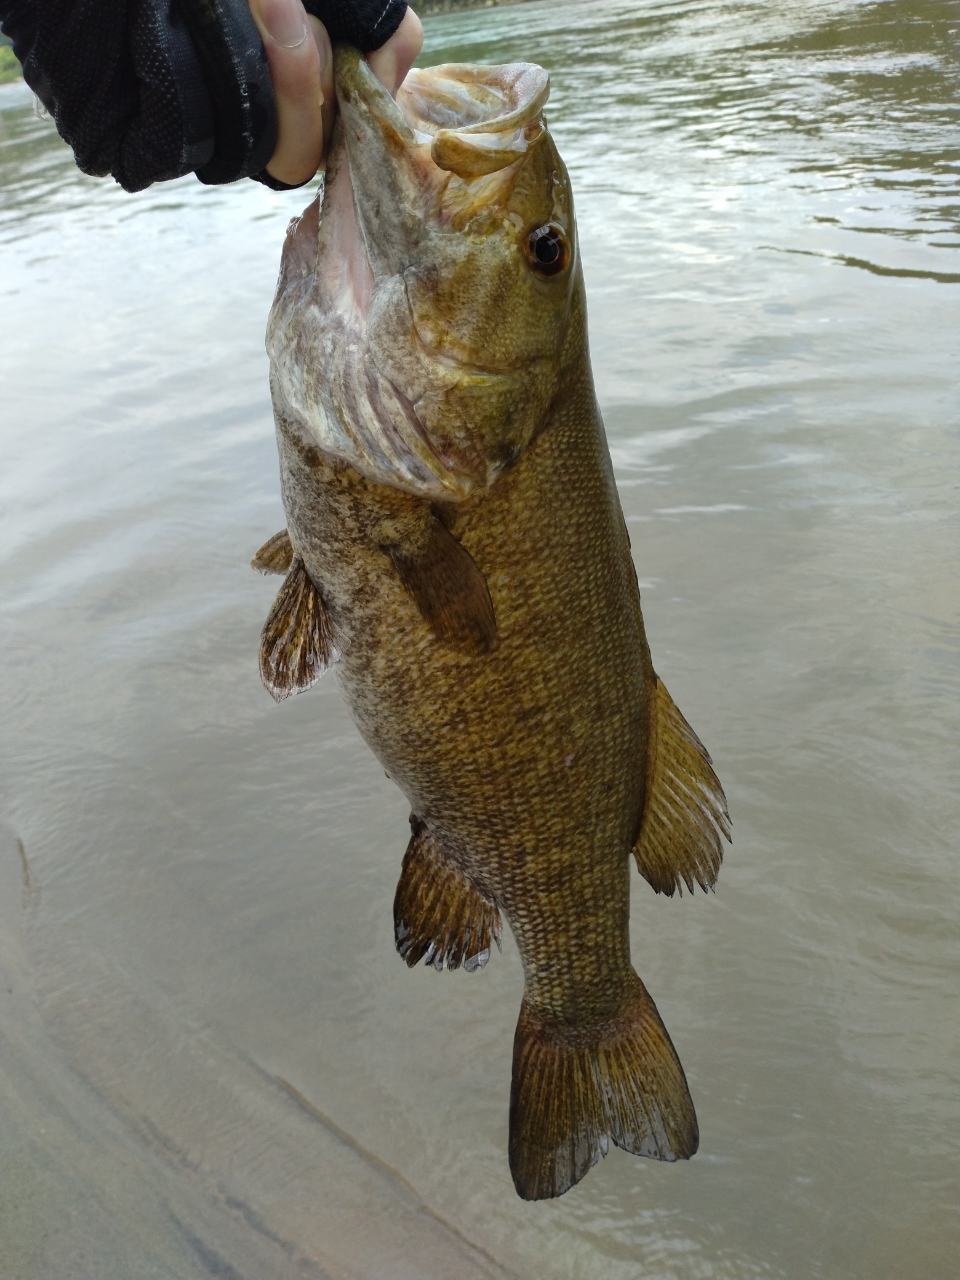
(214, 1062)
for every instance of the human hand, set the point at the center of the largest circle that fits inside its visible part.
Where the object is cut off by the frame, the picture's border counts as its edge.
(301, 70)
(391, 62)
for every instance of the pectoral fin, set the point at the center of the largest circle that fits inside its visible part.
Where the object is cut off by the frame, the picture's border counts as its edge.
(685, 812)
(449, 588)
(299, 641)
(275, 556)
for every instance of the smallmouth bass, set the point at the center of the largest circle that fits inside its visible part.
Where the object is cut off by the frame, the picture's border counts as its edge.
(455, 547)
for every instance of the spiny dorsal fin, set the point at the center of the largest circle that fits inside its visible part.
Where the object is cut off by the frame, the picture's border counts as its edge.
(439, 914)
(450, 591)
(685, 812)
(576, 1088)
(275, 556)
(299, 641)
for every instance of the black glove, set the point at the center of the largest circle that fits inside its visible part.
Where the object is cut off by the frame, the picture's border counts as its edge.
(153, 89)
(366, 24)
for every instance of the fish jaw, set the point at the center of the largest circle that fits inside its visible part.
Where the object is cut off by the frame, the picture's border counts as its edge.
(407, 337)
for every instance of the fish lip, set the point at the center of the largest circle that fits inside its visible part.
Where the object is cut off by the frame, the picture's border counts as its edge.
(528, 83)
(354, 78)
(381, 154)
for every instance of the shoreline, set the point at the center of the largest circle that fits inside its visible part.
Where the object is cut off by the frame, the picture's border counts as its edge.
(9, 66)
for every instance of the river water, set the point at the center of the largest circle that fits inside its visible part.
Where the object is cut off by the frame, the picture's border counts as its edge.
(214, 1064)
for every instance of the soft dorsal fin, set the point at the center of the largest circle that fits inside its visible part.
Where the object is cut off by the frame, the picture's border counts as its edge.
(439, 914)
(299, 641)
(685, 812)
(275, 556)
(449, 588)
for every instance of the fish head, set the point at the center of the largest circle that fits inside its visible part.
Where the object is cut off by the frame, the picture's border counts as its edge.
(419, 325)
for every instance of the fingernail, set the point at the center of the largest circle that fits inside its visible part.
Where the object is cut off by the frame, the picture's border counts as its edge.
(285, 22)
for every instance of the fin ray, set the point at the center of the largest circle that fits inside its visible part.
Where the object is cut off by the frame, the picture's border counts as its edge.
(440, 916)
(685, 812)
(275, 556)
(575, 1090)
(299, 642)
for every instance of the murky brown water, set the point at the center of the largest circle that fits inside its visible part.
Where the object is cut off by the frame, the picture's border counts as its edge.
(214, 1064)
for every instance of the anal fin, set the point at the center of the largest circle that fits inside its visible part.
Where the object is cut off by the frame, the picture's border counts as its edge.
(449, 588)
(299, 642)
(275, 556)
(685, 812)
(439, 914)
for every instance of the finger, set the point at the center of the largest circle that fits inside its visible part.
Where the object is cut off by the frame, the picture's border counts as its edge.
(391, 62)
(301, 71)
(328, 85)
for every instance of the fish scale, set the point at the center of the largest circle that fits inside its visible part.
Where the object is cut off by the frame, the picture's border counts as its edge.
(479, 602)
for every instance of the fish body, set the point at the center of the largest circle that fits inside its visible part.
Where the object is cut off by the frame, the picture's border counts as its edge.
(455, 546)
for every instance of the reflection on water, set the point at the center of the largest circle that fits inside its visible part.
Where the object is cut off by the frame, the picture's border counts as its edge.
(214, 1063)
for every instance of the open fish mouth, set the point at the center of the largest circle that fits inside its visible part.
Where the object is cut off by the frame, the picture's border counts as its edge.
(478, 119)
(379, 333)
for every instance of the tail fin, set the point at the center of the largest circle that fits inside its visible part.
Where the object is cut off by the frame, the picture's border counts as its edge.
(575, 1089)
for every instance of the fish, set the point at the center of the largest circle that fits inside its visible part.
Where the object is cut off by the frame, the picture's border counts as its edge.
(455, 549)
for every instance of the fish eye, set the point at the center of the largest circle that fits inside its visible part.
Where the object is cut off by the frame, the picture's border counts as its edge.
(547, 250)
